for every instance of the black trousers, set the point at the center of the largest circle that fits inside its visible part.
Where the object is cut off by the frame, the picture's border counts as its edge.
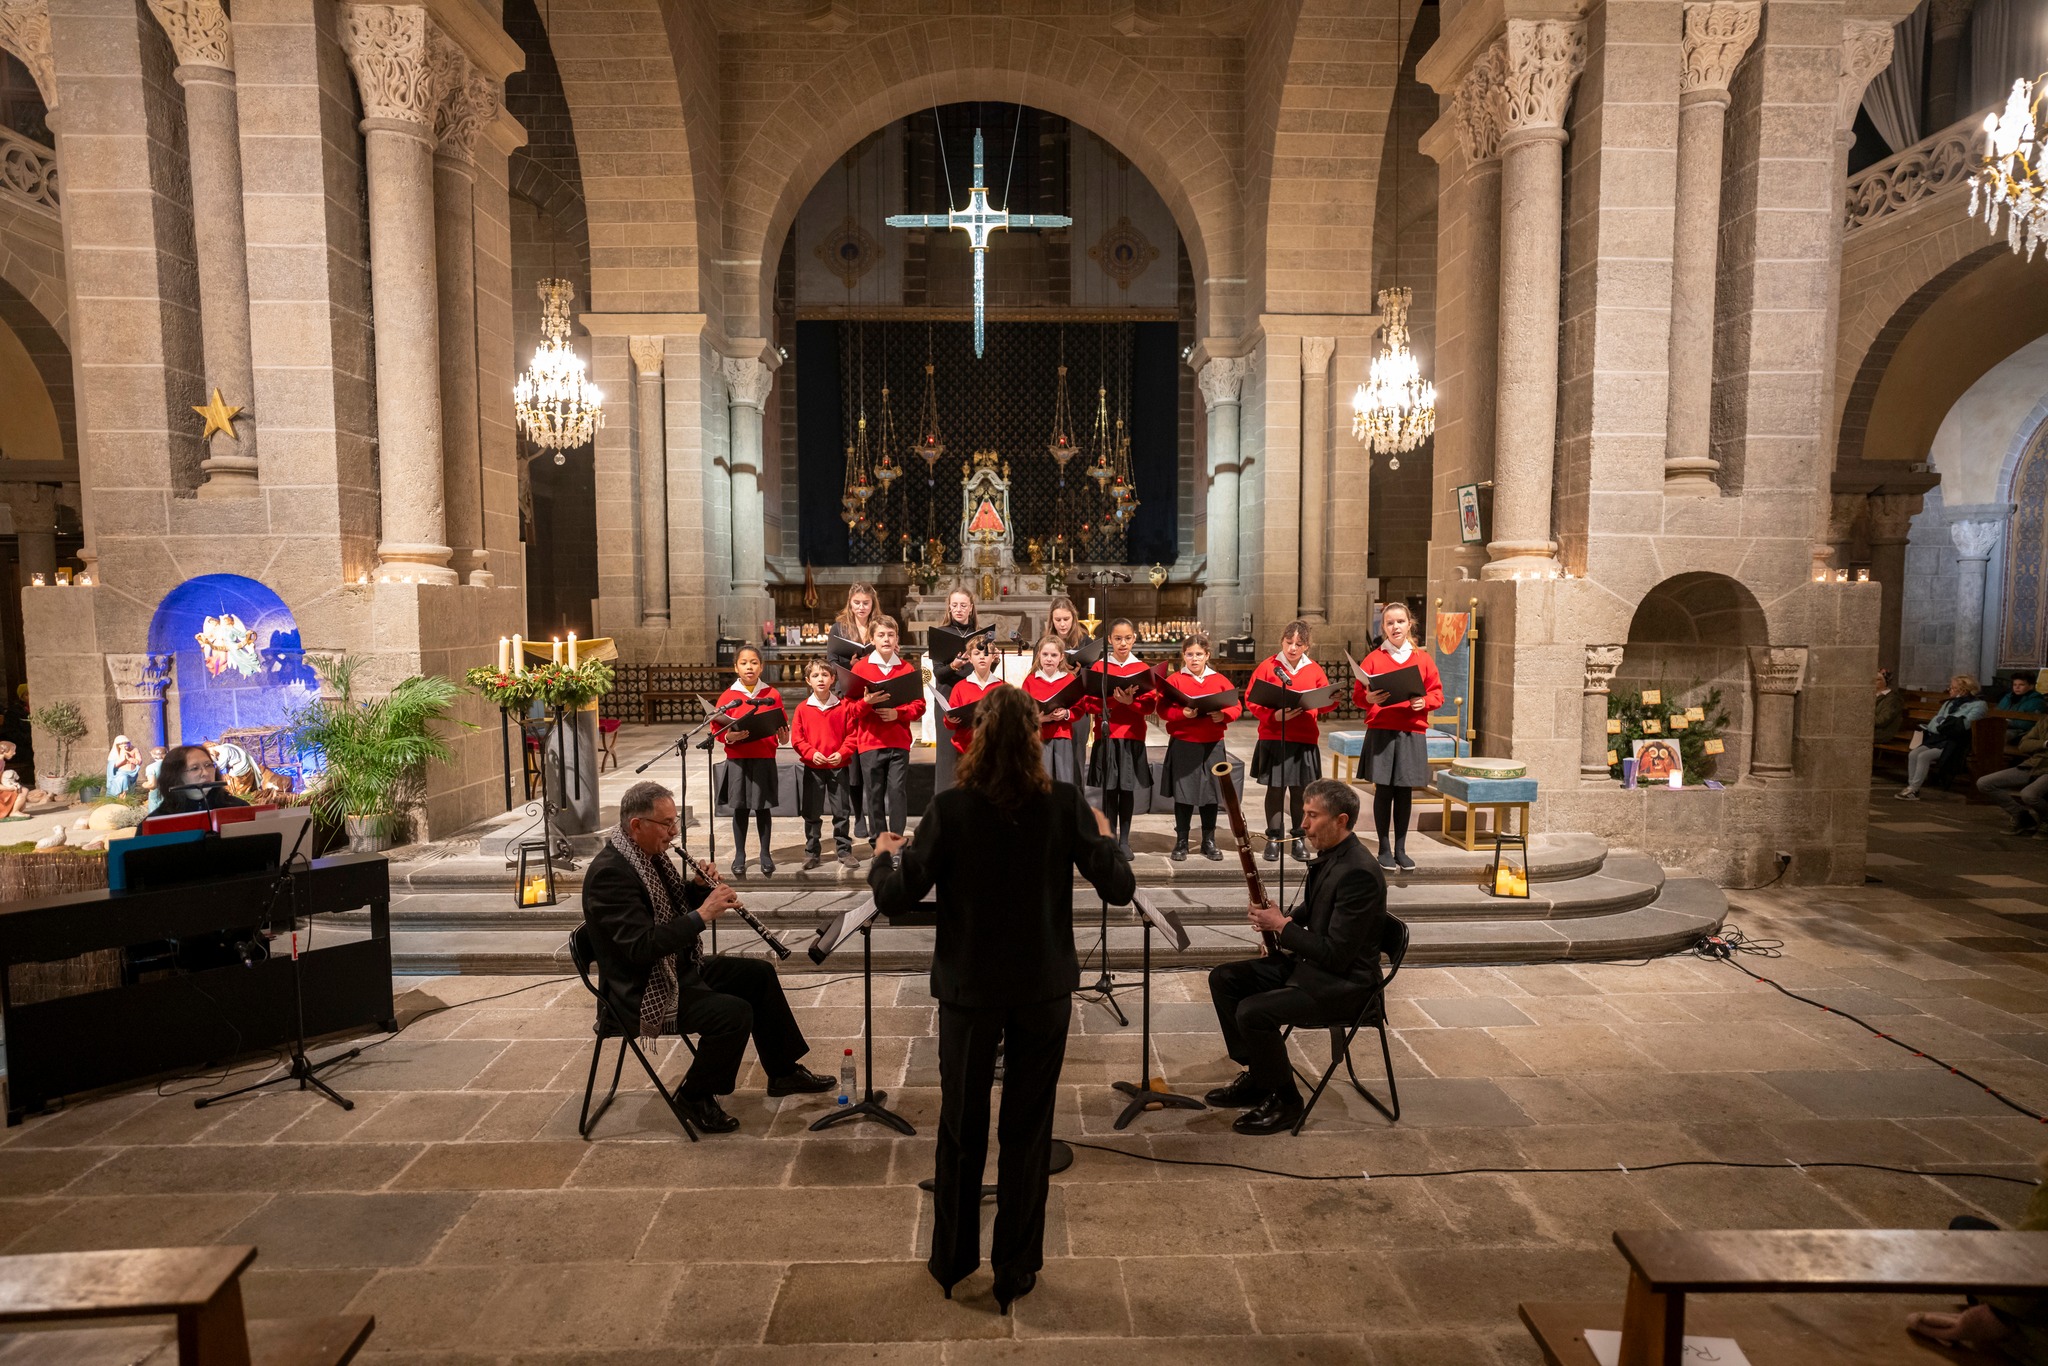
(883, 773)
(1033, 1039)
(740, 997)
(823, 791)
(1253, 1004)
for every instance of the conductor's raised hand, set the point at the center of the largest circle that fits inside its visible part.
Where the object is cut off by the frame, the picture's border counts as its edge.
(1267, 919)
(722, 899)
(888, 842)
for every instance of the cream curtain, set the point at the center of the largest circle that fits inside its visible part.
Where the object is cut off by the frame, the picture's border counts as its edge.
(1894, 99)
(2008, 40)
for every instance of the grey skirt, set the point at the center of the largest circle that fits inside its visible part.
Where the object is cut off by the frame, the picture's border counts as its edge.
(1186, 775)
(749, 784)
(1286, 763)
(1119, 765)
(1396, 758)
(1059, 760)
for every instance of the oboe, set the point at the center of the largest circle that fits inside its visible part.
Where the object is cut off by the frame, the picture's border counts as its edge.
(712, 879)
(1238, 832)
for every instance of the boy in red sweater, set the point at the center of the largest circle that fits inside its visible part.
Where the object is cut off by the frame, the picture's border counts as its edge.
(880, 736)
(819, 739)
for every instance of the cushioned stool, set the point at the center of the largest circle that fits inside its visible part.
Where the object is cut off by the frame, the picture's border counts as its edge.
(1500, 795)
(1347, 747)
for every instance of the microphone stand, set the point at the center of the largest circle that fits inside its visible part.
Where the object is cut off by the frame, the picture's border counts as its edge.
(681, 749)
(1103, 988)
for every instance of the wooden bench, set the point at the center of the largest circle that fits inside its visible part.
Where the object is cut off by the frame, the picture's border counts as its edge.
(199, 1287)
(1988, 752)
(1667, 1265)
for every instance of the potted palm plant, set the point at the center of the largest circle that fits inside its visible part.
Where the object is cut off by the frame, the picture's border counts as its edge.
(375, 752)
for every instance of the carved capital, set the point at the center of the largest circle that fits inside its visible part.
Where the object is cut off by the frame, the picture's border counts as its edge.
(647, 355)
(1891, 517)
(25, 32)
(1601, 662)
(748, 381)
(469, 99)
(1947, 18)
(388, 50)
(1222, 378)
(1717, 34)
(1540, 63)
(1974, 540)
(1778, 668)
(198, 31)
(1866, 50)
(1315, 356)
(1476, 106)
(140, 678)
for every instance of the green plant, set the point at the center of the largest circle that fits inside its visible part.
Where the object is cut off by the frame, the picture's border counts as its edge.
(64, 723)
(1695, 739)
(552, 685)
(376, 751)
(81, 784)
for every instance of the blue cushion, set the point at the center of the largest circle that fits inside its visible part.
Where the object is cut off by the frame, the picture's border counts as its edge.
(1347, 742)
(1444, 745)
(1474, 790)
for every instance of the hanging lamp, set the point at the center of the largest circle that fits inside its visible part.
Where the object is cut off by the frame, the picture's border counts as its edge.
(556, 407)
(2008, 180)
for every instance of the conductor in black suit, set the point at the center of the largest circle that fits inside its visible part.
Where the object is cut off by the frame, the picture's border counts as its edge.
(1329, 966)
(1002, 847)
(646, 924)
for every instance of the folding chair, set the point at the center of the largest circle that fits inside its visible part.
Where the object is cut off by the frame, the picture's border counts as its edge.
(609, 1026)
(1343, 1031)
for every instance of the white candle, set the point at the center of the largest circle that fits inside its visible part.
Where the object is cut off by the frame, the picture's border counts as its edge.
(518, 655)
(572, 649)
(554, 649)
(504, 654)
(1091, 607)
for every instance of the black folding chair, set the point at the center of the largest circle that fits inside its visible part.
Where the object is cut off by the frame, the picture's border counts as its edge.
(609, 1026)
(1342, 1032)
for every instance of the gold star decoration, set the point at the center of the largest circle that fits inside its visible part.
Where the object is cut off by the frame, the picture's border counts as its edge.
(219, 417)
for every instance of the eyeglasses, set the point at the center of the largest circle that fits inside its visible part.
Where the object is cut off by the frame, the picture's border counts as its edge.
(671, 823)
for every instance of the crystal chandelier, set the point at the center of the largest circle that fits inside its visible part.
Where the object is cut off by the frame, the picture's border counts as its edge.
(556, 407)
(1394, 410)
(2008, 176)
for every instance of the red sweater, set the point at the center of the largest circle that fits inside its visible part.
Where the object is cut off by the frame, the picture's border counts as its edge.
(1301, 729)
(1207, 728)
(1041, 690)
(1399, 715)
(868, 731)
(818, 732)
(965, 691)
(1125, 722)
(764, 699)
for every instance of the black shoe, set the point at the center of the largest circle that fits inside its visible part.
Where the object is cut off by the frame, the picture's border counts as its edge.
(1209, 849)
(767, 865)
(1006, 1293)
(704, 1112)
(811, 861)
(1272, 847)
(802, 1082)
(2019, 823)
(1388, 862)
(739, 866)
(846, 857)
(1125, 846)
(1301, 851)
(1273, 1115)
(1180, 850)
(1407, 865)
(1239, 1095)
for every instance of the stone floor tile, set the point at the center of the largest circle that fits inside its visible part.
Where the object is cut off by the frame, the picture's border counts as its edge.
(588, 1308)
(833, 1354)
(1321, 1292)
(1479, 1286)
(854, 1224)
(1683, 1095)
(248, 1167)
(620, 1164)
(1076, 1297)
(1889, 1094)
(104, 1222)
(17, 1217)
(1338, 1216)
(833, 1160)
(44, 1171)
(519, 1115)
(1585, 1209)
(892, 1301)
(281, 1294)
(1109, 1219)
(1575, 1050)
(1192, 1296)
(1457, 1052)
(717, 1303)
(521, 1227)
(1551, 1100)
(1299, 1350)
(429, 1306)
(1707, 1197)
(1633, 1144)
(1427, 1102)
(532, 1165)
(524, 1065)
(319, 1231)
(1471, 1011)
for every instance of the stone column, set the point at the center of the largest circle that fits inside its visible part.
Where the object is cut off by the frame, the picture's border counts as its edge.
(140, 684)
(469, 101)
(1947, 22)
(1974, 542)
(204, 44)
(1541, 60)
(1315, 477)
(748, 381)
(1601, 662)
(1222, 381)
(1479, 134)
(1891, 524)
(647, 414)
(1779, 672)
(1716, 37)
(387, 47)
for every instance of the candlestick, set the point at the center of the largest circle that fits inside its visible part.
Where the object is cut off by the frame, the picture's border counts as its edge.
(518, 655)
(504, 654)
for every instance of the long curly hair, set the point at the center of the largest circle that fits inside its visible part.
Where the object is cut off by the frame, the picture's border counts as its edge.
(1003, 762)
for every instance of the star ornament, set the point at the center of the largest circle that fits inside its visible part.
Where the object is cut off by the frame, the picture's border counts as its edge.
(219, 417)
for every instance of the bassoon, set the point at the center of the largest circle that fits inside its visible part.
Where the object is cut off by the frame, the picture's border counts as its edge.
(1238, 831)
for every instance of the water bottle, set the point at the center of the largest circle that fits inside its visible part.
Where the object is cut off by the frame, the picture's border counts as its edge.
(846, 1078)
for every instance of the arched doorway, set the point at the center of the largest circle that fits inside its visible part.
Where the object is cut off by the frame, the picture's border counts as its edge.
(1690, 638)
(238, 662)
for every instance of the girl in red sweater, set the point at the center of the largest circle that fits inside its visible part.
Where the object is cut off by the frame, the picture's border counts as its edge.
(1396, 750)
(881, 735)
(1119, 765)
(1288, 756)
(1196, 746)
(981, 657)
(819, 739)
(1056, 735)
(748, 782)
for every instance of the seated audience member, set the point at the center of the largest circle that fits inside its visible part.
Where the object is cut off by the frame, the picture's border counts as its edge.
(2014, 1327)
(1944, 746)
(2020, 695)
(1891, 709)
(2023, 789)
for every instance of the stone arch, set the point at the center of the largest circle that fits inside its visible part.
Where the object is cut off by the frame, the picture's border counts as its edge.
(941, 61)
(1699, 627)
(48, 350)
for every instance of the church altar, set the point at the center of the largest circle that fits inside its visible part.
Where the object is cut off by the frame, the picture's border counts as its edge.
(1016, 598)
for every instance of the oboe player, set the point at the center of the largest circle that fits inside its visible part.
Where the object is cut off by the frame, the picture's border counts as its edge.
(647, 925)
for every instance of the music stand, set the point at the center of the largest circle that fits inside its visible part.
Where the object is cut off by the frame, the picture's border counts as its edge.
(1103, 988)
(859, 917)
(1152, 915)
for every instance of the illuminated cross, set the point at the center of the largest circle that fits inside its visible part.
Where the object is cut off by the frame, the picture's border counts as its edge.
(978, 220)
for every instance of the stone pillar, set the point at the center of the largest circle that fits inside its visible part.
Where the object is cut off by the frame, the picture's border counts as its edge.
(1891, 524)
(1717, 35)
(140, 684)
(204, 45)
(1974, 542)
(469, 101)
(647, 415)
(1601, 662)
(748, 381)
(1315, 477)
(388, 49)
(1222, 381)
(1779, 672)
(1947, 22)
(1541, 60)
(1479, 133)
